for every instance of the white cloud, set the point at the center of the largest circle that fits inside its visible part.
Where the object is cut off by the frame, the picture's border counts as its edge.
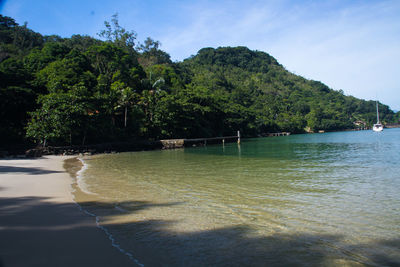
(354, 48)
(349, 45)
(359, 54)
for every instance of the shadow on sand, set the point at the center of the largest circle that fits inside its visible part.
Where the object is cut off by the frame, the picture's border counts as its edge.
(154, 245)
(31, 171)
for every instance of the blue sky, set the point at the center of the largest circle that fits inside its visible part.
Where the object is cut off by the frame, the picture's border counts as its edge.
(350, 45)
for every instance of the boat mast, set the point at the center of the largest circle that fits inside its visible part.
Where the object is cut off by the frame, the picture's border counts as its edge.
(377, 112)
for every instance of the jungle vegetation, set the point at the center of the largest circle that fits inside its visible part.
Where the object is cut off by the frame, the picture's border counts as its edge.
(83, 90)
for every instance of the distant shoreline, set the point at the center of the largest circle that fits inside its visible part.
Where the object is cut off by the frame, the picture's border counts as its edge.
(114, 147)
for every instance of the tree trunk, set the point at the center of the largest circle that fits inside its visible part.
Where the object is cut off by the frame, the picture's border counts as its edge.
(126, 114)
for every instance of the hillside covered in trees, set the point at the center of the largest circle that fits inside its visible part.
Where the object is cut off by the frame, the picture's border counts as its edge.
(82, 90)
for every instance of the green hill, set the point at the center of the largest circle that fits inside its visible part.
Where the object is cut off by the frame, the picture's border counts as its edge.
(273, 99)
(82, 90)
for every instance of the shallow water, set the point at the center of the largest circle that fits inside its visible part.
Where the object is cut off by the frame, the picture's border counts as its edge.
(323, 199)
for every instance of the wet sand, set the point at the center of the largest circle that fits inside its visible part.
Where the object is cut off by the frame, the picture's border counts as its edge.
(40, 224)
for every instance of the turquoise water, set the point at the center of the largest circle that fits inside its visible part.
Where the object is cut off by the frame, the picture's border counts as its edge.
(328, 199)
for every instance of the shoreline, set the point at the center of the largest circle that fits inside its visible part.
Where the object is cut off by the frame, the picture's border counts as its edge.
(118, 147)
(200, 245)
(42, 225)
(77, 189)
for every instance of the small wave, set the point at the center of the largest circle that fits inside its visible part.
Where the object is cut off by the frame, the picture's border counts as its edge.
(120, 209)
(82, 186)
(80, 179)
(110, 236)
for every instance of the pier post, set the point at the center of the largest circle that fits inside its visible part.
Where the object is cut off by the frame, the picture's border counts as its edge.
(238, 135)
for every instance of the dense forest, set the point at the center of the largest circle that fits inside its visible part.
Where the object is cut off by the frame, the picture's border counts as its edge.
(83, 90)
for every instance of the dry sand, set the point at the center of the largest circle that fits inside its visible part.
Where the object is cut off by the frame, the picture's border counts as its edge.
(40, 225)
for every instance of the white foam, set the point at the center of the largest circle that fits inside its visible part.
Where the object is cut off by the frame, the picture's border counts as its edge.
(110, 236)
(80, 180)
(82, 186)
(120, 209)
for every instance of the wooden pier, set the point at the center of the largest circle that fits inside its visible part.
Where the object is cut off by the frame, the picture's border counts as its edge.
(179, 143)
(279, 134)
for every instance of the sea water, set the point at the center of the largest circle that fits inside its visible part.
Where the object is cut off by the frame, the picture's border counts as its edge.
(329, 199)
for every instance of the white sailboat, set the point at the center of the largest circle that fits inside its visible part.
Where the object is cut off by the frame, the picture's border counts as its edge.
(378, 127)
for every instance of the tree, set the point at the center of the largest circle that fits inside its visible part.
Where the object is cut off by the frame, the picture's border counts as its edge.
(61, 75)
(151, 54)
(83, 90)
(16, 40)
(119, 36)
(126, 97)
(60, 117)
(17, 98)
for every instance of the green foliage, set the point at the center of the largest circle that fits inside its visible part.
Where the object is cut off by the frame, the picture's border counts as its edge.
(271, 98)
(240, 57)
(82, 90)
(16, 99)
(16, 40)
(62, 116)
(37, 59)
(151, 54)
(119, 36)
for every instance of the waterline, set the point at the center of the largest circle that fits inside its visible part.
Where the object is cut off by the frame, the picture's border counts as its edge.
(315, 199)
(78, 190)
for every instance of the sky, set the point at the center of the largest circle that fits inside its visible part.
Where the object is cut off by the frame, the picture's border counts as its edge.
(349, 45)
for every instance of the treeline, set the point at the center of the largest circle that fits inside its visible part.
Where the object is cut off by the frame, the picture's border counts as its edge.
(81, 90)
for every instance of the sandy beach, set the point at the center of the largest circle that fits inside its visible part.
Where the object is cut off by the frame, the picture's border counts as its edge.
(40, 225)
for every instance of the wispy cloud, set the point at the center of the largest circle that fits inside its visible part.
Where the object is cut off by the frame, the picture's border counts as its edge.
(350, 47)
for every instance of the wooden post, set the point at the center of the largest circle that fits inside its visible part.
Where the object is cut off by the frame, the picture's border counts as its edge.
(238, 135)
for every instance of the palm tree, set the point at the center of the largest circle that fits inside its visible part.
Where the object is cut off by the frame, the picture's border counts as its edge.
(149, 97)
(126, 100)
(125, 97)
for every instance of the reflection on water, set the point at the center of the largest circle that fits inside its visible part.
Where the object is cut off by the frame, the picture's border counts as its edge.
(330, 199)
